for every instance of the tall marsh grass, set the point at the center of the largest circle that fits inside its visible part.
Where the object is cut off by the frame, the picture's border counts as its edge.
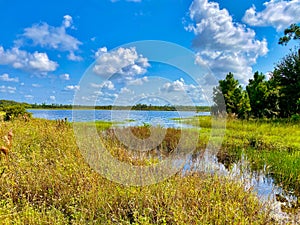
(46, 181)
(269, 145)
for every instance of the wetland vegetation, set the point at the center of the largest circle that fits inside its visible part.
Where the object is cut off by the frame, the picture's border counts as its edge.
(45, 180)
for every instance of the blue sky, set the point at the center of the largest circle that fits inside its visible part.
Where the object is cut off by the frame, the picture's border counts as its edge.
(46, 47)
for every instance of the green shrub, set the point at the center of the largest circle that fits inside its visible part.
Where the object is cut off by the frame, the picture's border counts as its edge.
(12, 112)
(295, 118)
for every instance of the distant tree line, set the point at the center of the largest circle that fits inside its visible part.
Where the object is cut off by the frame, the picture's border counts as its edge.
(170, 108)
(138, 106)
(7, 104)
(277, 97)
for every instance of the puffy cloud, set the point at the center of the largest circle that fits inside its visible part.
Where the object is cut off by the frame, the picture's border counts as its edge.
(28, 96)
(74, 57)
(8, 89)
(20, 59)
(100, 51)
(106, 84)
(177, 86)
(278, 14)
(52, 37)
(52, 98)
(68, 21)
(72, 88)
(124, 61)
(222, 44)
(7, 78)
(65, 76)
(36, 85)
(179, 92)
(125, 90)
(138, 81)
(41, 62)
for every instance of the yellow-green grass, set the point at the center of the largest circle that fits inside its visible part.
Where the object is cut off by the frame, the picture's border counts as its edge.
(2, 114)
(46, 181)
(270, 144)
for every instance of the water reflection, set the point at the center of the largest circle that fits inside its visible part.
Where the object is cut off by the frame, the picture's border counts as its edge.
(267, 191)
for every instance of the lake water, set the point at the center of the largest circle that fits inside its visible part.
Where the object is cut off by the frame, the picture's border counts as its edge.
(131, 117)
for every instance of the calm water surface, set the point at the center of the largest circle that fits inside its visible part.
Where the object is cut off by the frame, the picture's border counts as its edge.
(131, 117)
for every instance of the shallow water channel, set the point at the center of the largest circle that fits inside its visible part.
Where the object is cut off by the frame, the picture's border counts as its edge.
(262, 184)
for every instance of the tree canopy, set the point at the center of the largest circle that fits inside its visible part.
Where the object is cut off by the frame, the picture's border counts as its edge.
(292, 32)
(230, 93)
(286, 76)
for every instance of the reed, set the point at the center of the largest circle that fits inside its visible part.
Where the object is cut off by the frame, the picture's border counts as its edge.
(47, 181)
(271, 147)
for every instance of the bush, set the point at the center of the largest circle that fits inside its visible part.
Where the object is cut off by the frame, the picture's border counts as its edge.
(12, 112)
(295, 118)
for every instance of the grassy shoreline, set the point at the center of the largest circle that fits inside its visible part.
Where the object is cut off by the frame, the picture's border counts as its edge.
(269, 145)
(46, 181)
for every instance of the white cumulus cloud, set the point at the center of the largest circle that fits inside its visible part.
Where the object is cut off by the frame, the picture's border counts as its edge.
(41, 62)
(8, 89)
(53, 37)
(29, 96)
(68, 21)
(65, 76)
(72, 88)
(71, 56)
(177, 86)
(20, 59)
(100, 51)
(278, 14)
(36, 85)
(222, 44)
(138, 81)
(106, 84)
(124, 61)
(125, 90)
(7, 78)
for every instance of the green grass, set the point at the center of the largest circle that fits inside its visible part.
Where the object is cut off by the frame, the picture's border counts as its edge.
(46, 181)
(273, 144)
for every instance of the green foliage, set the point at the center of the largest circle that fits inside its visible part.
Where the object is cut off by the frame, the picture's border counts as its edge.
(236, 100)
(14, 111)
(295, 118)
(286, 78)
(293, 32)
(263, 97)
(272, 147)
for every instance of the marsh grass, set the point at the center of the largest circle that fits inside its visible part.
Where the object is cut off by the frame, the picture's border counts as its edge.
(275, 146)
(46, 181)
(271, 146)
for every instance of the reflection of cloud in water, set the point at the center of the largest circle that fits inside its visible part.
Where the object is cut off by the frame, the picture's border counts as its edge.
(262, 185)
